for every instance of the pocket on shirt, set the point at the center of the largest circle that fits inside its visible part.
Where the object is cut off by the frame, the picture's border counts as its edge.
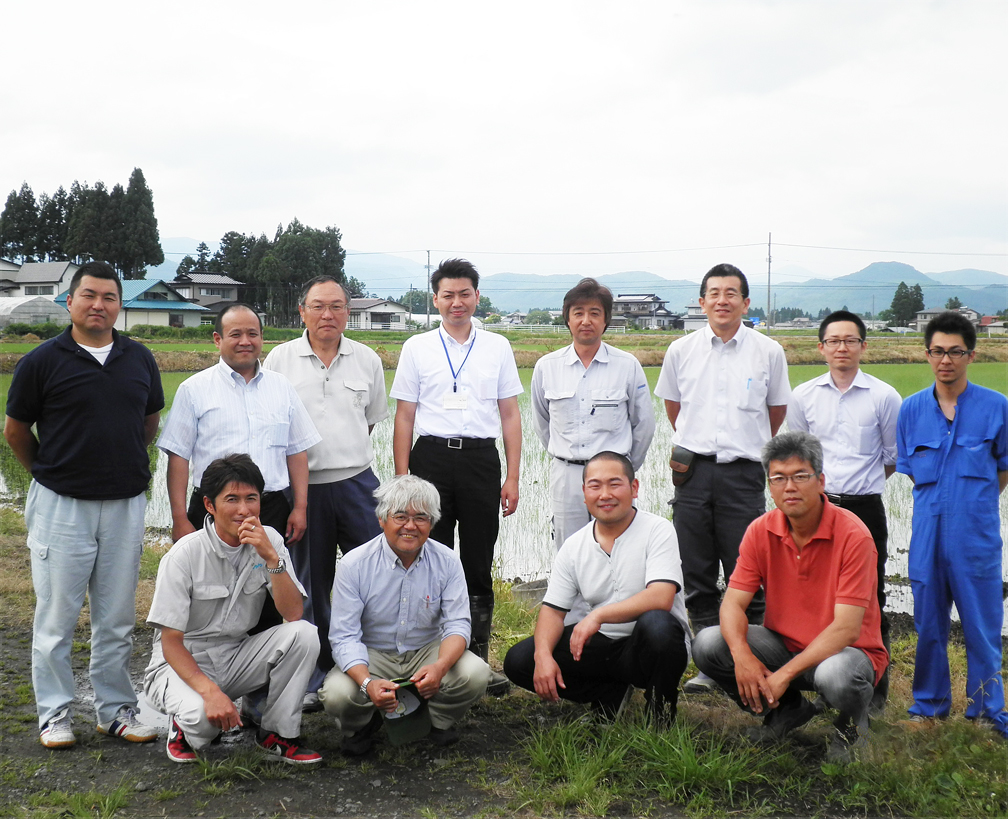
(206, 598)
(278, 433)
(486, 383)
(563, 408)
(430, 613)
(40, 568)
(359, 390)
(925, 463)
(608, 409)
(869, 440)
(755, 394)
(976, 459)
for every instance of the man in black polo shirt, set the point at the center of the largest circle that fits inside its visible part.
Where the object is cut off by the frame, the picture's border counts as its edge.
(95, 399)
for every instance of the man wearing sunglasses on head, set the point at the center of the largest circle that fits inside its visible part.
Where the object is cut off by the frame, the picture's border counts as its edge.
(853, 415)
(952, 440)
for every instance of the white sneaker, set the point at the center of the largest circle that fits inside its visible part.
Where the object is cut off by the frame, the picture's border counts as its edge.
(127, 725)
(58, 731)
(700, 684)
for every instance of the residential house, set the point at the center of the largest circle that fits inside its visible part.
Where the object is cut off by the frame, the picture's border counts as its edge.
(152, 301)
(646, 311)
(924, 316)
(377, 314)
(36, 278)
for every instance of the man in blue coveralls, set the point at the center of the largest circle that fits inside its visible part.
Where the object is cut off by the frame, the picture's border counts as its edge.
(952, 441)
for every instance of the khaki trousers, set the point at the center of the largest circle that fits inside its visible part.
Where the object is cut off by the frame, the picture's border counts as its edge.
(464, 684)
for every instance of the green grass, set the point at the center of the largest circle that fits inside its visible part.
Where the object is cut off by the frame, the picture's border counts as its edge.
(83, 805)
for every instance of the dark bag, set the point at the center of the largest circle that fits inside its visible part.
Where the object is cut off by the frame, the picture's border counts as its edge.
(682, 465)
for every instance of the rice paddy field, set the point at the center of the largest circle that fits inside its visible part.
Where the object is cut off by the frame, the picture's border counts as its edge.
(525, 548)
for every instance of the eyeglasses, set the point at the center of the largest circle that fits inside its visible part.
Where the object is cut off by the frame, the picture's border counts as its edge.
(939, 353)
(318, 309)
(799, 478)
(846, 342)
(401, 519)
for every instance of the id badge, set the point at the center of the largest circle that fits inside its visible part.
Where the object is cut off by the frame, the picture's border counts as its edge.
(456, 400)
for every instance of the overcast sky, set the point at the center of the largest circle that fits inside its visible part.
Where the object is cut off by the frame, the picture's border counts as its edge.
(512, 132)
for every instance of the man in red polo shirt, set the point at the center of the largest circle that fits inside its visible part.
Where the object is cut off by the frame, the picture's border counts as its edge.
(821, 632)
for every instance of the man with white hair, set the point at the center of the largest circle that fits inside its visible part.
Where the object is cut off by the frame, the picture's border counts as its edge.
(401, 610)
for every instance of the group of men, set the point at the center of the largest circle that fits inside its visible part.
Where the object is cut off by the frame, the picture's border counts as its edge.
(250, 602)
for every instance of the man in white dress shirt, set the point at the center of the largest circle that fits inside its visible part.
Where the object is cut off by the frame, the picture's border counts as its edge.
(457, 387)
(726, 391)
(853, 414)
(342, 385)
(588, 398)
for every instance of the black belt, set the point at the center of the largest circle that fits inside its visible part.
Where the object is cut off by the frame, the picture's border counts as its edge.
(570, 461)
(840, 500)
(460, 443)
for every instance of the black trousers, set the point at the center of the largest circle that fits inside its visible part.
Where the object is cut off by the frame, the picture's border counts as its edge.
(711, 513)
(274, 510)
(468, 481)
(871, 511)
(653, 657)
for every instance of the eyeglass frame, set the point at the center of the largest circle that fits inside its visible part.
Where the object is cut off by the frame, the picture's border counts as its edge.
(319, 309)
(954, 355)
(847, 343)
(419, 519)
(799, 479)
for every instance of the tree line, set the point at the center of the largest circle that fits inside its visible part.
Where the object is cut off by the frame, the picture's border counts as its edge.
(117, 226)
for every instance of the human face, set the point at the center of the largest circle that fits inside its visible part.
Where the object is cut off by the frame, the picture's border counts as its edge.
(408, 537)
(236, 502)
(586, 321)
(843, 357)
(94, 306)
(240, 341)
(797, 500)
(723, 303)
(608, 493)
(948, 370)
(325, 312)
(456, 300)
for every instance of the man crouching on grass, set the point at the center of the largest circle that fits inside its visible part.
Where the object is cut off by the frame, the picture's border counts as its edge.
(822, 629)
(210, 591)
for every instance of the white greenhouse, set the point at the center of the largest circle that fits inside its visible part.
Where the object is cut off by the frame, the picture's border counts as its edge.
(31, 310)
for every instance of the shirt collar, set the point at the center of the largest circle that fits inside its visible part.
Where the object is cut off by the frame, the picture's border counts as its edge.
(601, 355)
(231, 376)
(778, 524)
(303, 346)
(449, 340)
(391, 560)
(220, 548)
(860, 381)
(738, 338)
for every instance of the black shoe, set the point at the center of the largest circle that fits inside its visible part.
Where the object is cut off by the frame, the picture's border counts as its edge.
(783, 719)
(499, 685)
(363, 741)
(443, 737)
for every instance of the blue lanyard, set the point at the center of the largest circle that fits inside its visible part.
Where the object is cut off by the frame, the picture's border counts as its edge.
(454, 372)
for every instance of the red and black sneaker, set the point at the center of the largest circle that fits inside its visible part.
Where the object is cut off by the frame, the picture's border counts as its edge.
(286, 750)
(178, 748)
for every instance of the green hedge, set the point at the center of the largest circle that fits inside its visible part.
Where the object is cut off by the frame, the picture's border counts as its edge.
(47, 330)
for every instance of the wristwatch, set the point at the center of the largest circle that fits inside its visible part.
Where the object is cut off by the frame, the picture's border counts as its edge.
(364, 685)
(281, 565)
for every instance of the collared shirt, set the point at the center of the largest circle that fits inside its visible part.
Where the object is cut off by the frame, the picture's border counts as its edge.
(343, 400)
(724, 390)
(215, 413)
(579, 411)
(379, 604)
(89, 417)
(424, 377)
(647, 552)
(838, 565)
(857, 429)
(214, 603)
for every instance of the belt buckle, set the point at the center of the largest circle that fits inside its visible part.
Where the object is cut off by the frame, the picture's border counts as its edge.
(834, 499)
(452, 446)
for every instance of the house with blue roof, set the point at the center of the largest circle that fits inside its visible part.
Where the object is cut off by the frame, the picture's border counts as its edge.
(152, 301)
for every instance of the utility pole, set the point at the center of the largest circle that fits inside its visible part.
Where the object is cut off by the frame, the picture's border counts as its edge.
(428, 289)
(768, 283)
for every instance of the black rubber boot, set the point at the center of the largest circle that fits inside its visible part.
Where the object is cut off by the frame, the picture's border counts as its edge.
(481, 608)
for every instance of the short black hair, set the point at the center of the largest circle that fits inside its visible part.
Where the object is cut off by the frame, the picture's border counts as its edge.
(238, 305)
(609, 455)
(97, 270)
(235, 468)
(308, 285)
(796, 444)
(953, 323)
(843, 315)
(588, 290)
(454, 269)
(720, 270)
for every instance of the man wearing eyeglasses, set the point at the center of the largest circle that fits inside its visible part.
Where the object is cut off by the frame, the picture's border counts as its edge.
(401, 611)
(952, 440)
(821, 629)
(342, 385)
(726, 391)
(853, 415)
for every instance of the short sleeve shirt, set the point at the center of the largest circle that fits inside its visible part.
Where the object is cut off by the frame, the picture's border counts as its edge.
(648, 551)
(89, 416)
(484, 373)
